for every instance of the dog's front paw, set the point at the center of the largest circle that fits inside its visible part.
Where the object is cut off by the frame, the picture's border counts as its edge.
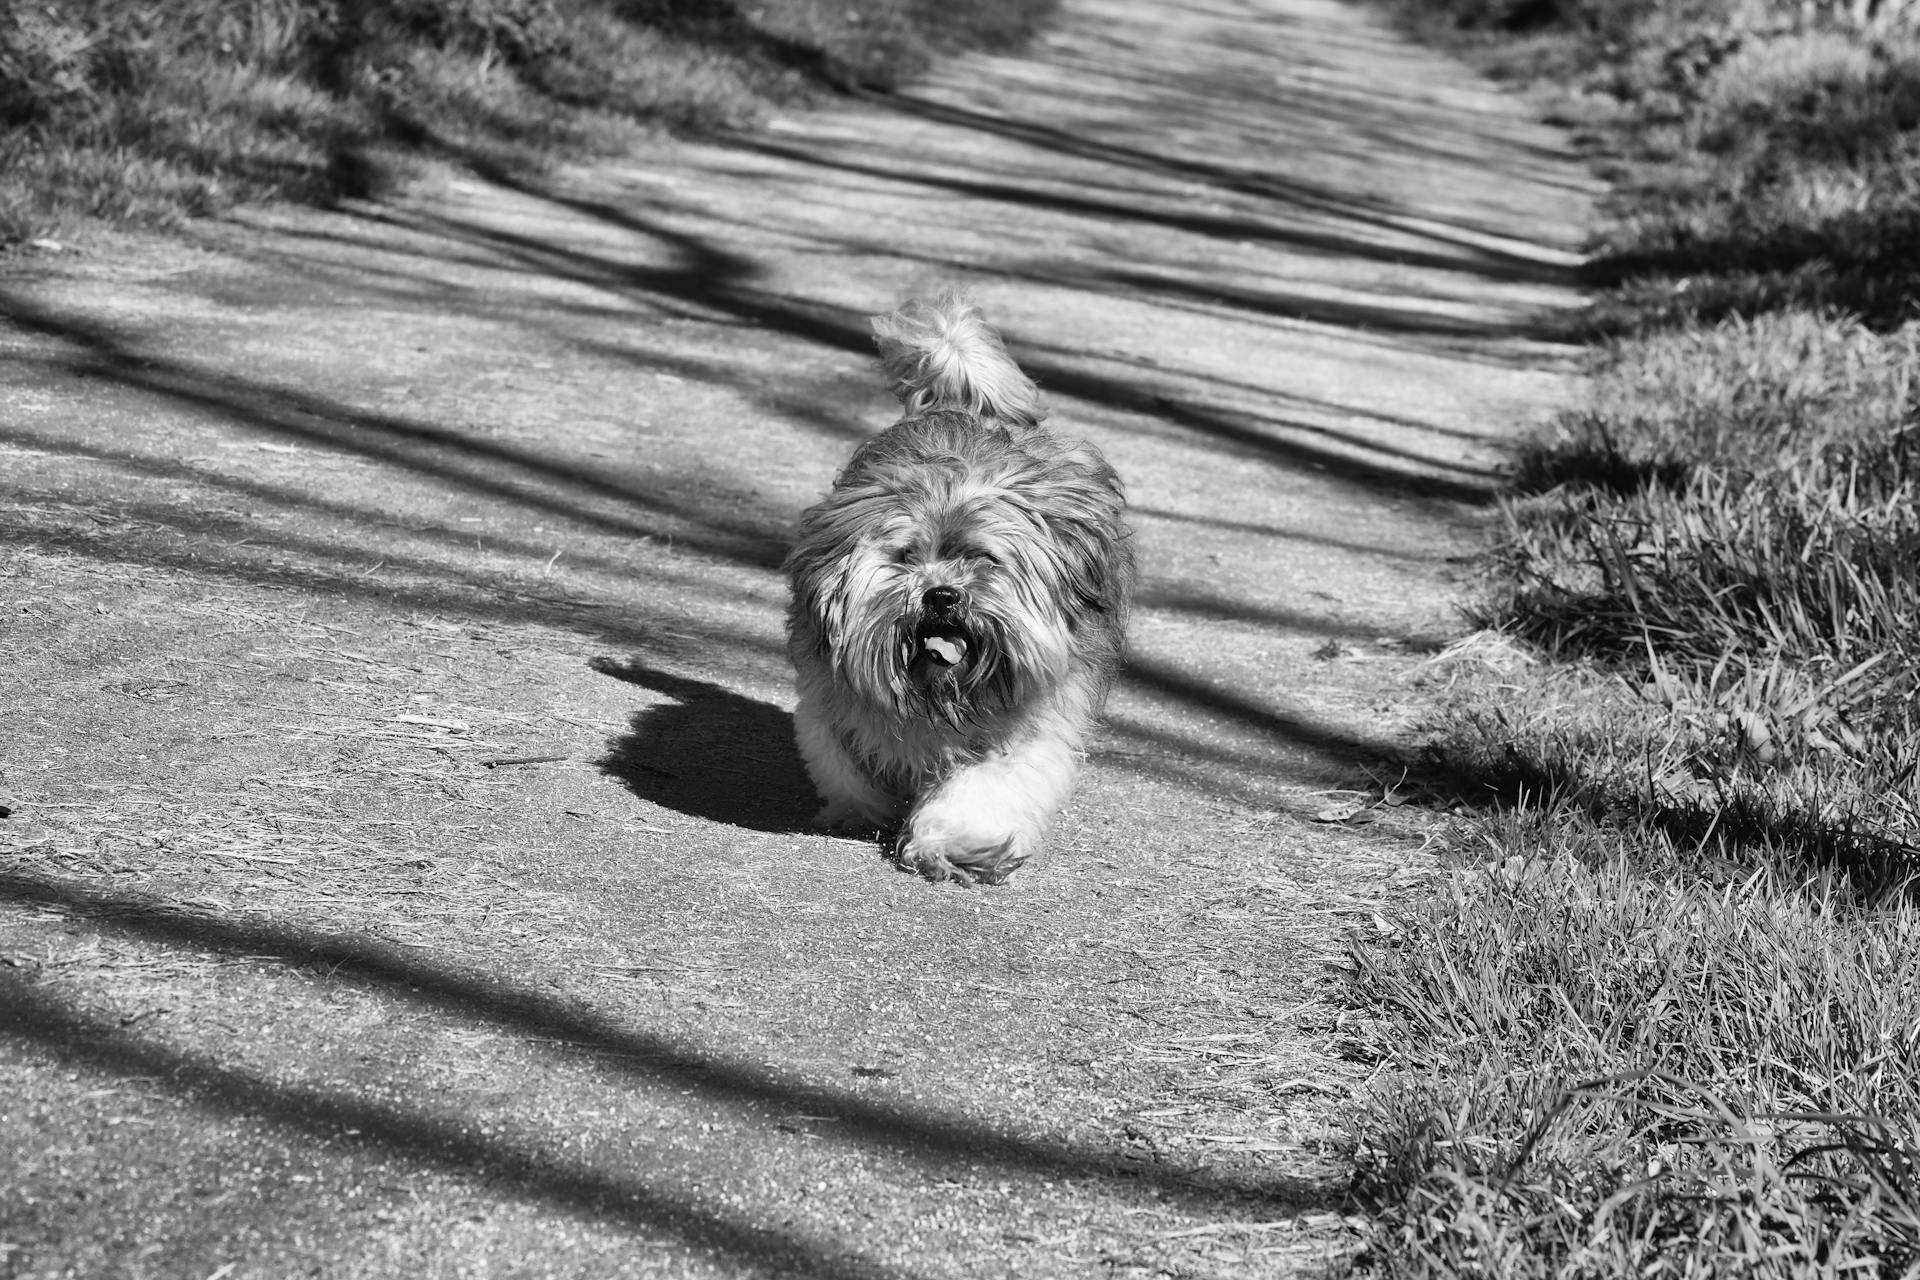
(959, 861)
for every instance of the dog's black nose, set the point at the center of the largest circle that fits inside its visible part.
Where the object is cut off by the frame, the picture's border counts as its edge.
(943, 599)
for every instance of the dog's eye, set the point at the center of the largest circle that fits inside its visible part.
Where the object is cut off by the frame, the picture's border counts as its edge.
(905, 555)
(984, 557)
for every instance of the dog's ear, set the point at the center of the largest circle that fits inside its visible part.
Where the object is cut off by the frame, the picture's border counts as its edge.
(1094, 549)
(817, 571)
(830, 561)
(1098, 562)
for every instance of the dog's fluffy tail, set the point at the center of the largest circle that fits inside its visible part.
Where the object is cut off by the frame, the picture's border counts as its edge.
(940, 353)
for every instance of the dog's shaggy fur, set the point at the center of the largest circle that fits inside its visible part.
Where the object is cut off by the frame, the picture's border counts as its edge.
(959, 602)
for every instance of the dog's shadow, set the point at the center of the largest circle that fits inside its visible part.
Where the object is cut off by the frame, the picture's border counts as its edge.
(711, 753)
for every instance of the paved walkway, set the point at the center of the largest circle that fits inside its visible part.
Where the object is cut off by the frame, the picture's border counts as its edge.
(312, 516)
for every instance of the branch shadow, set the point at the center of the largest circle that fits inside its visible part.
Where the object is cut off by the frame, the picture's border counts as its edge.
(691, 508)
(1459, 248)
(937, 1142)
(1366, 465)
(522, 1170)
(1160, 681)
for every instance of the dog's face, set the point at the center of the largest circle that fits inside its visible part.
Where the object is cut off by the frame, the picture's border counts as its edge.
(955, 592)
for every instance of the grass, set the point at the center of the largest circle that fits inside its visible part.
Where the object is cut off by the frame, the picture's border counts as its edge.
(1663, 1016)
(147, 114)
(1606, 1074)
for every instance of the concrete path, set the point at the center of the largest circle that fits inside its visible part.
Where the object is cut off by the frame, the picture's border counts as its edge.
(310, 522)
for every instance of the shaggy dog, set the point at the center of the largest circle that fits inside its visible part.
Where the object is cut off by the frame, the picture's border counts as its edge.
(958, 608)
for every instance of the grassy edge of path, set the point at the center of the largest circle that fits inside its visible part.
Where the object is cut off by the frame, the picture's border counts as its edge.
(1658, 1019)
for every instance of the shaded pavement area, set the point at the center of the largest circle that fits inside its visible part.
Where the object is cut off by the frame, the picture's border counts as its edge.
(407, 871)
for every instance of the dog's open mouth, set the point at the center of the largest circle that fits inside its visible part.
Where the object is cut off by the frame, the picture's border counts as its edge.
(937, 661)
(944, 648)
(940, 645)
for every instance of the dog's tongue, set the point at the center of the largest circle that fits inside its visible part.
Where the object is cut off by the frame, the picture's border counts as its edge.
(947, 650)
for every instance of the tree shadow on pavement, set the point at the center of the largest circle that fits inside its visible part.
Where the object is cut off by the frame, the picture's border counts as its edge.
(710, 278)
(522, 1165)
(710, 753)
(1448, 247)
(692, 508)
(447, 1143)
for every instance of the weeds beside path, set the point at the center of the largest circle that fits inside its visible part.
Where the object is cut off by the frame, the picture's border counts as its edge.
(405, 871)
(1660, 1019)
(144, 114)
